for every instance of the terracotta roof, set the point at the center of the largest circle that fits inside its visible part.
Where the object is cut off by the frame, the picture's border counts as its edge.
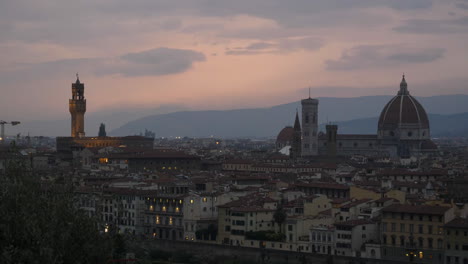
(458, 222)
(149, 155)
(286, 135)
(323, 185)
(354, 203)
(416, 209)
(403, 109)
(403, 172)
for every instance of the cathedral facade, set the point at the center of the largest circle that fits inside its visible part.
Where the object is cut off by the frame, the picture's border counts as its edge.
(403, 131)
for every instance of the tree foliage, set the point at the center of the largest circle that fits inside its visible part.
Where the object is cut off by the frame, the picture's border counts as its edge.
(40, 224)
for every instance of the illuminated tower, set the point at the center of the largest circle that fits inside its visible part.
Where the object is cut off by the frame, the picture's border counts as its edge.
(309, 127)
(77, 107)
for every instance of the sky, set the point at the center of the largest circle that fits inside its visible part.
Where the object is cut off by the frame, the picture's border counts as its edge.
(224, 54)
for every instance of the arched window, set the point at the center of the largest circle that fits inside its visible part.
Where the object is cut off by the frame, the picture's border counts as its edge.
(402, 240)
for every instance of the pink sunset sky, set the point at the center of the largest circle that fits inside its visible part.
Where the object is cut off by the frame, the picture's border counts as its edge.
(217, 54)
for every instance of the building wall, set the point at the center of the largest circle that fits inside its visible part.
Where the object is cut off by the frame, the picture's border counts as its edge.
(456, 245)
(397, 231)
(317, 205)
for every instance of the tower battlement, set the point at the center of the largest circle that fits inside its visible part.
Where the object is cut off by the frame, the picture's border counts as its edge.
(77, 107)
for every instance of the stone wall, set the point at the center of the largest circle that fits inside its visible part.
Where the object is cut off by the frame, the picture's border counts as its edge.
(214, 253)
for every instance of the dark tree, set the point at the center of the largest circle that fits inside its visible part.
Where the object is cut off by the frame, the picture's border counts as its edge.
(40, 224)
(279, 217)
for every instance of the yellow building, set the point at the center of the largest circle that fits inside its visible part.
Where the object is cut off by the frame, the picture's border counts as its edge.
(410, 232)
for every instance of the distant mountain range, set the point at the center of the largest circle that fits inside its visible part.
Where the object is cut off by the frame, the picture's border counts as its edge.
(353, 115)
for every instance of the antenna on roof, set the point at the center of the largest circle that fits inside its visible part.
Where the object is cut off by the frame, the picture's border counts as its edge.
(309, 92)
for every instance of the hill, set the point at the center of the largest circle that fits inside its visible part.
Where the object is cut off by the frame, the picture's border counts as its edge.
(354, 115)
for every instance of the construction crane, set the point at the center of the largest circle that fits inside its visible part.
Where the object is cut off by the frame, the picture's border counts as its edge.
(2, 124)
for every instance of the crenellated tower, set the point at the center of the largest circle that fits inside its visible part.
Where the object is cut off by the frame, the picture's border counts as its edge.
(77, 105)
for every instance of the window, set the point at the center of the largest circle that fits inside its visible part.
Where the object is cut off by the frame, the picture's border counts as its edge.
(363, 227)
(429, 229)
(402, 228)
(290, 227)
(402, 241)
(393, 227)
(411, 228)
(420, 229)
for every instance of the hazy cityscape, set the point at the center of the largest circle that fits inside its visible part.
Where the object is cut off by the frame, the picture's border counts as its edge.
(234, 132)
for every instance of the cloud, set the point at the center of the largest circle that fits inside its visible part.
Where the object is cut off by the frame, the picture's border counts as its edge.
(365, 57)
(154, 62)
(160, 61)
(429, 26)
(280, 46)
(462, 4)
(79, 21)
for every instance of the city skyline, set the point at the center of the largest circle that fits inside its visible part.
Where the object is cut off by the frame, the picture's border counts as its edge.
(190, 54)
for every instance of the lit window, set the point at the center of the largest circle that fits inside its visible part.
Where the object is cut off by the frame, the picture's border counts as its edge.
(177, 210)
(191, 201)
(205, 199)
(151, 208)
(180, 201)
(157, 220)
(164, 208)
(170, 220)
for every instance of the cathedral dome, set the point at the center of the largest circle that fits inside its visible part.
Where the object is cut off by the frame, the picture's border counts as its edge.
(286, 135)
(403, 117)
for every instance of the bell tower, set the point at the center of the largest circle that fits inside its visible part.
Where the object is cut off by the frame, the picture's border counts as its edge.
(77, 105)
